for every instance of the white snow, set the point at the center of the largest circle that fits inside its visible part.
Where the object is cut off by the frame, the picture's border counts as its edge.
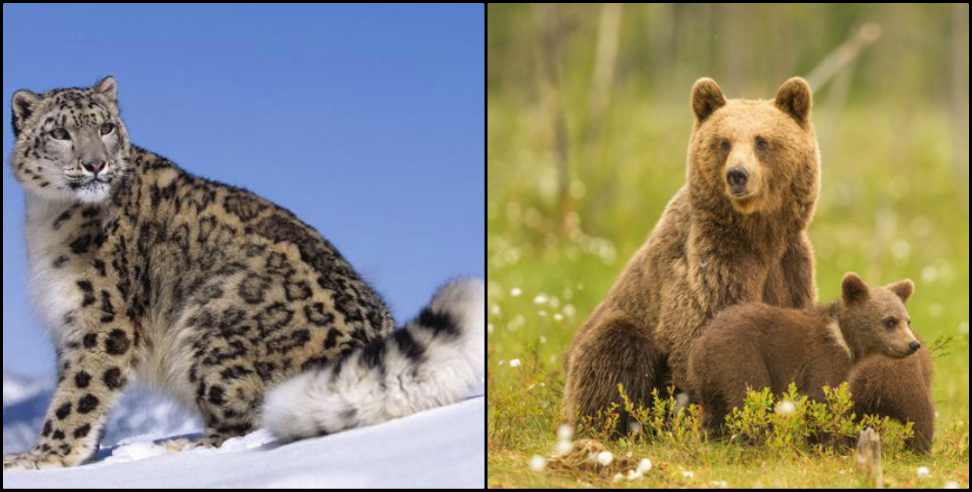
(441, 448)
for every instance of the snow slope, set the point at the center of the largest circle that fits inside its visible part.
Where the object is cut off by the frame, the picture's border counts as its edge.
(440, 448)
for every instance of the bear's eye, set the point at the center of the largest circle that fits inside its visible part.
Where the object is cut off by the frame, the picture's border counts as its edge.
(107, 128)
(60, 134)
(724, 145)
(761, 143)
(890, 323)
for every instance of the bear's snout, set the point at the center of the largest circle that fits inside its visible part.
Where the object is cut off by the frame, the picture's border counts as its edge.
(913, 347)
(737, 178)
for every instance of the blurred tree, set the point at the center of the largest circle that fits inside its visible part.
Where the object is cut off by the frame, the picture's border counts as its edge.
(553, 28)
(574, 63)
(608, 32)
(960, 90)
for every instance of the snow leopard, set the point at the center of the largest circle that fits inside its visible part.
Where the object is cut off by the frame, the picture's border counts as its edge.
(224, 300)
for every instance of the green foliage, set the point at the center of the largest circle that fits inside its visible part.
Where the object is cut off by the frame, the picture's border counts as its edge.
(665, 421)
(788, 423)
(751, 422)
(941, 346)
(793, 422)
(662, 47)
(514, 416)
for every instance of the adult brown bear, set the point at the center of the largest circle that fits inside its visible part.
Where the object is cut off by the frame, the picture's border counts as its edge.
(736, 232)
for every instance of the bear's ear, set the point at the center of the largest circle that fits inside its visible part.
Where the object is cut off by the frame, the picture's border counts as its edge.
(853, 288)
(107, 87)
(24, 104)
(902, 288)
(706, 98)
(794, 98)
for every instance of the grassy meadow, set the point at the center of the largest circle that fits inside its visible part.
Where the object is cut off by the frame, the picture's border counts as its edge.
(893, 205)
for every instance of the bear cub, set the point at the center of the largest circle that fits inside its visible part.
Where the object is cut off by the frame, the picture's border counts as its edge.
(757, 345)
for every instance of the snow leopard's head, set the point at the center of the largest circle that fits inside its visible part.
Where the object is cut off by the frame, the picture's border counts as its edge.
(71, 144)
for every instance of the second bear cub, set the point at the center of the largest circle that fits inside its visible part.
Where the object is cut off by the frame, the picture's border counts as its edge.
(757, 345)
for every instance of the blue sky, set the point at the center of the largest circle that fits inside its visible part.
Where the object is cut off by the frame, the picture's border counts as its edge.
(366, 121)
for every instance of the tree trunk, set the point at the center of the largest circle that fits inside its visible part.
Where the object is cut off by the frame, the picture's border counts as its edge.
(960, 91)
(605, 60)
(552, 33)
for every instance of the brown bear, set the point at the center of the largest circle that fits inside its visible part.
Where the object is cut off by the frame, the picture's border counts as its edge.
(736, 232)
(900, 389)
(755, 346)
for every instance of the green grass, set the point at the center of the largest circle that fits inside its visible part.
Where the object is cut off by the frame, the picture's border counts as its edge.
(891, 206)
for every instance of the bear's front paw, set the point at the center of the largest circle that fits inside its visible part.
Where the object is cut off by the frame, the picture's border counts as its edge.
(31, 461)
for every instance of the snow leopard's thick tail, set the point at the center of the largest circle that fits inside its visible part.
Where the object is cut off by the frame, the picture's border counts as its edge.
(435, 360)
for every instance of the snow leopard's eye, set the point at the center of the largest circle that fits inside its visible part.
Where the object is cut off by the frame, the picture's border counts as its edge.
(60, 134)
(107, 128)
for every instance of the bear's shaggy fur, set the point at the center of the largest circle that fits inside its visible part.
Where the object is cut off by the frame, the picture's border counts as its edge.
(900, 389)
(755, 346)
(736, 232)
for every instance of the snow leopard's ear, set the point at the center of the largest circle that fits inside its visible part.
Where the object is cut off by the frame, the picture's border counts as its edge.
(24, 103)
(108, 88)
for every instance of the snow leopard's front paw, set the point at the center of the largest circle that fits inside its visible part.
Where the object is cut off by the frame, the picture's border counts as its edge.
(32, 461)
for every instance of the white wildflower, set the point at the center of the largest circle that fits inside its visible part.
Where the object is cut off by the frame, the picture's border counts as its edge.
(565, 432)
(681, 400)
(644, 466)
(923, 471)
(720, 484)
(688, 474)
(569, 310)
(563, 447)
(515, 363)
(558, 317)
(785, 407)
(618, 477)
(543, 339)
(490, 328)
(537, 463)
(951, 484)
(633, 475)
(540, 299)
(605, 458)
(515, 292)
(901, 249)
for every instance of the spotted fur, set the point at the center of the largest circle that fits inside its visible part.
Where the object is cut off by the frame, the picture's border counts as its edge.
(435, 360)
(144, 271)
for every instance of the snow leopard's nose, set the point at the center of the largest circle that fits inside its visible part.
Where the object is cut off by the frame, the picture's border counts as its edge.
(94, 166)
